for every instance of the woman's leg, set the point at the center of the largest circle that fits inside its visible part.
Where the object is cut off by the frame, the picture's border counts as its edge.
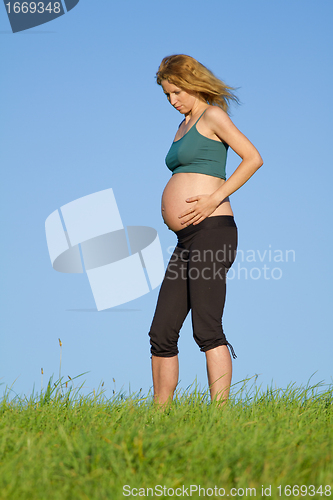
(171, 310)
(219, 371)
(165, 378)
(211, 255)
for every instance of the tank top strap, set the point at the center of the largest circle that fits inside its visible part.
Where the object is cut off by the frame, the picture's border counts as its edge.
(200, 117)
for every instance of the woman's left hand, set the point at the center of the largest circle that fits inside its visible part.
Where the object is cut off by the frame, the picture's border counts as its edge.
(205, 205)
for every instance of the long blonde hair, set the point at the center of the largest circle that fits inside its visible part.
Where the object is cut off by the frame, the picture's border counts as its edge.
(188, 74)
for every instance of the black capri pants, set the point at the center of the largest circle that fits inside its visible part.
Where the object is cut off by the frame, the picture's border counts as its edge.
(195, 279)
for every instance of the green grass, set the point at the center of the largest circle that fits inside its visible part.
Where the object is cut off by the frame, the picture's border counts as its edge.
(61, 445)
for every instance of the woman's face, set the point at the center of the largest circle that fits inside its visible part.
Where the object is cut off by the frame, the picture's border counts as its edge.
(178, 98)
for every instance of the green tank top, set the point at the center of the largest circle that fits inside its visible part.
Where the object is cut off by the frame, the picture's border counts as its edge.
(198, 154)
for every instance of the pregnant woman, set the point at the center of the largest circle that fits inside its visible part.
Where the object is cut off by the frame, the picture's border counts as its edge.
(195, 205)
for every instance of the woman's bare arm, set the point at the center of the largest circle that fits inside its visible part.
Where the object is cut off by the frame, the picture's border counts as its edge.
(224, 128)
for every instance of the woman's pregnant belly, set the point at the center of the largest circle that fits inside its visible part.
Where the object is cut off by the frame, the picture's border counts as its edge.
(185, 185)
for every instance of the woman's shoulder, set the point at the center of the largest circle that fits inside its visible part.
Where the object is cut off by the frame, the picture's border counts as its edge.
(215, 113)
(217, 119)
(218, 123)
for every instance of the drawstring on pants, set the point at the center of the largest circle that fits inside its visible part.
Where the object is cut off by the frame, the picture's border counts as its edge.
(232, 350)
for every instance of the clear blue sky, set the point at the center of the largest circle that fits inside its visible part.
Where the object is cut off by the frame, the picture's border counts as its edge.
(81, 112)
